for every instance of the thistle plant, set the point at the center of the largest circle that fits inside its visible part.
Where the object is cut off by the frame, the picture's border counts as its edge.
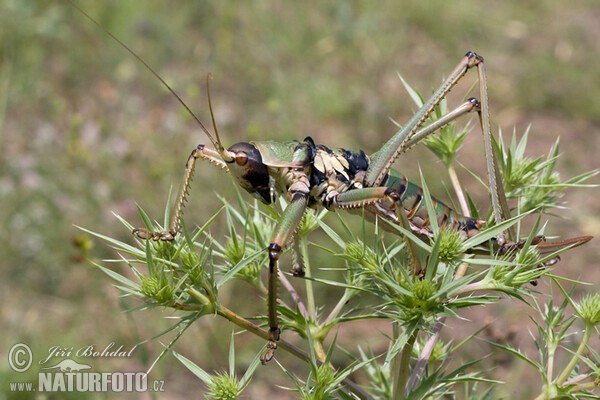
(373, 275)
(222, 385)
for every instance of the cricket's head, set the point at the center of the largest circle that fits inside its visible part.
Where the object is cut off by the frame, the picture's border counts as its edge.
(246, 164)
(243, 160)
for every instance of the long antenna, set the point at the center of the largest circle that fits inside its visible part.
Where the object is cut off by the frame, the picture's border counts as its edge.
(216, 144)
(212, 115)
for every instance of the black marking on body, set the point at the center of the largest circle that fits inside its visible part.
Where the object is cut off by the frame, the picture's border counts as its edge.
(309, 145)
(316, 177)
(417, 203)
(357, 161)
(444, 218)
(471, 223)
(335, 167)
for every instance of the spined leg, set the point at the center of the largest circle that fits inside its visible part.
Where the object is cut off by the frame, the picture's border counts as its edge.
(203, 152)
(499, 203)
(382, 160)
(284, 231)
(545, 247)
(365, 196)
(468, 106)
(297, 262)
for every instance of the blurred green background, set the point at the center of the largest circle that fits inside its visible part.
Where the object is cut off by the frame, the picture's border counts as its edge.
(86, 131)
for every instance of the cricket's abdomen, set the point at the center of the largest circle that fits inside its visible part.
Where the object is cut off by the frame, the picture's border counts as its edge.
(413, 203)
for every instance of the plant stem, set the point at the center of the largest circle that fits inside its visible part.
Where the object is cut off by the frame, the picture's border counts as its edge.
(395, 369)
(417, 373)
(575, 379)
(575, 359)
(400, 387)
(310, 295)
(584, 386)
(202, 299)
(290, 348)
(250, 327)
(286, 284)
(483, 284)
(550, 369)
(320, 351)
(430, 344)
(338, 307)
(461, 270)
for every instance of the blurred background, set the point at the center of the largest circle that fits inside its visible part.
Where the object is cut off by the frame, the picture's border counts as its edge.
(86, 131)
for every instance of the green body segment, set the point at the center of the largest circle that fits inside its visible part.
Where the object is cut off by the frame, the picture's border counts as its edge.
(413, 203)
(289, 221)
(360, 197)
(283, 154)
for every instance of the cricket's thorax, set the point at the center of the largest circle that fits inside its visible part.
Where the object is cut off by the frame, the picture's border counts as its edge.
(313, 170)
(335, 171)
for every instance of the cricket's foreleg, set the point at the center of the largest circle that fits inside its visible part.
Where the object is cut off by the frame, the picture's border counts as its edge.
(203, 152)
(284, 232)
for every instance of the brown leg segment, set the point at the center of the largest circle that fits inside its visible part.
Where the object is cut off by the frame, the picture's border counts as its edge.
(284, 232)
(203, 152)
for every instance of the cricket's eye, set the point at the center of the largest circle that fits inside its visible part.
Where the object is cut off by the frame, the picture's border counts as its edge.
(241, 158)
(250, 171)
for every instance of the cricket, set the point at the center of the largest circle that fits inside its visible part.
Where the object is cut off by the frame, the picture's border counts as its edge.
(311, 175)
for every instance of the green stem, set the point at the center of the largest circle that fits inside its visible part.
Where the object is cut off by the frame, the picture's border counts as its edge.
(202, 299)
(396, 361)
(310, 296)
(320, 351)
(250, 327)
(483, 284)
(403, 371)
(338, 307)
(417, 372)
(282, 344)
(551, 353)
(575, 359)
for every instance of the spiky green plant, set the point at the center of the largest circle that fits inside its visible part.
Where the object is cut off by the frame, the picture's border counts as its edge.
(374, 277)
